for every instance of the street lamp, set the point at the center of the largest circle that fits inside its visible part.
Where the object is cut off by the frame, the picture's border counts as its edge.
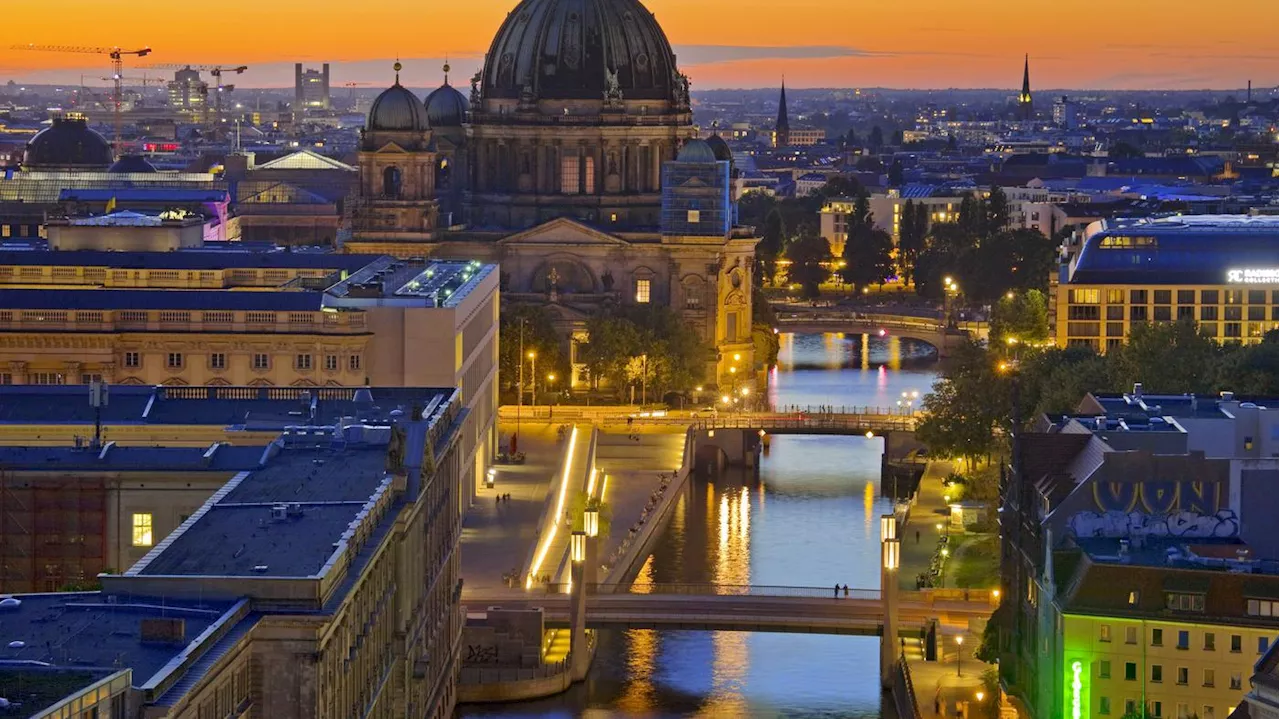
(533, 378)
(591, 522)
(959, 651)
(578, 547)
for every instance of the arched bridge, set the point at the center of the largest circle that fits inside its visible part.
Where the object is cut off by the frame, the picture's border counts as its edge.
(932, 331)
(806, 610)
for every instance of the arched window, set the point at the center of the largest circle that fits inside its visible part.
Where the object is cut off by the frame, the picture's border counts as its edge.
(391, 183)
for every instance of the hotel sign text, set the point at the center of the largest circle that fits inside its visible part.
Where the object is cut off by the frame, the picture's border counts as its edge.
(1253, 276)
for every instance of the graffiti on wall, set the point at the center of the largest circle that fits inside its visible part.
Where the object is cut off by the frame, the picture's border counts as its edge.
(481, 654)
(1159, 497)
(1115, 524)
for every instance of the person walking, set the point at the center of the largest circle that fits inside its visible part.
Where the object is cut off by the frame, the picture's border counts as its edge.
(917, 536)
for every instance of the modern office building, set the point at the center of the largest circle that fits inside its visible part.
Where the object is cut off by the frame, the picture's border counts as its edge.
(188, 93)
(310, 88)
(1219, 270)
(942, 203)
(320, 580)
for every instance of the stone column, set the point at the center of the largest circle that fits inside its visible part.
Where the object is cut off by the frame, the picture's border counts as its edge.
(890, 558)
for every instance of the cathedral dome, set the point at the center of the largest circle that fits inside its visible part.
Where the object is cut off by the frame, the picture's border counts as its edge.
(446, 107)
(67, 144)
(696, 151)
(580, 50)
(397, 110)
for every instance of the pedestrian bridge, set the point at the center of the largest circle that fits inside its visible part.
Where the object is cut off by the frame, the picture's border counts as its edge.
(840, 420)
(711, 607)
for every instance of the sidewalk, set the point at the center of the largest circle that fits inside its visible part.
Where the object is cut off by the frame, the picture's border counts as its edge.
(938, 685)
(920, 535)
(496, 537)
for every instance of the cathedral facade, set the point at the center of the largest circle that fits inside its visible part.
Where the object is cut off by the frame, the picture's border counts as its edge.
(573, 165)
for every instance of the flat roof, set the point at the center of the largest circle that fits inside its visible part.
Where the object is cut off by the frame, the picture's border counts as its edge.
(83, 630)
(39, 688)
(148, 299)
(233, 256)
(252, 408)
(419, 282)
(1187, 249)
(220, 457)
(1177, 405)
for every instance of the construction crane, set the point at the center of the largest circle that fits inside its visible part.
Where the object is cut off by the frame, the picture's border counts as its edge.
(217, 72)
(117, 74)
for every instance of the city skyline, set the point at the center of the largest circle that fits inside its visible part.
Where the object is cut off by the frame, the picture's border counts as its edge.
(937, 46)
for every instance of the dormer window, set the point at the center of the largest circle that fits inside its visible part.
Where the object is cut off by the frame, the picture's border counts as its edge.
(1184, 602)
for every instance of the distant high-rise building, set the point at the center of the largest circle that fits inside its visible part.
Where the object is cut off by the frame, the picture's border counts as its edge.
(1066, 113)
(1026, 109)
(187, 92)
(782, 129)
(310, 88)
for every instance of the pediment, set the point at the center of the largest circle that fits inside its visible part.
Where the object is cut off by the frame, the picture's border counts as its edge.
(391, 148)
(562, 232)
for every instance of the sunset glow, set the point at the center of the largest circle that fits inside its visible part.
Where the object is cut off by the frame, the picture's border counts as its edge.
(746, 43)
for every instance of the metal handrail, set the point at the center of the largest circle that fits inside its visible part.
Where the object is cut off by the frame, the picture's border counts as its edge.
(659, 590)
(905, 686)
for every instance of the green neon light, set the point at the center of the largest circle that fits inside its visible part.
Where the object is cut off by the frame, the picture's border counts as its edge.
(1076, 686)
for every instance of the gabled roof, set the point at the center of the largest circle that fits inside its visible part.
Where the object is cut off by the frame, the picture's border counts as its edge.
(305, 160)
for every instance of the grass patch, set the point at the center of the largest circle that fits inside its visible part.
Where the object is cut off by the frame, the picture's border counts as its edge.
(975, 562)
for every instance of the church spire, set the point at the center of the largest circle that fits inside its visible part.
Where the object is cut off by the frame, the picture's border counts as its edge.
(783, 126)
(1025, 107)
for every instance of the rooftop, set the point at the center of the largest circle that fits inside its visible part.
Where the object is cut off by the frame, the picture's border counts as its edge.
(252, 408)
(33, 689)
(85, 630)
(220, 457)
(421, 282)
(1134, 406)
(239, 533)
(1190, 249)
(149, 299)
(193, 259)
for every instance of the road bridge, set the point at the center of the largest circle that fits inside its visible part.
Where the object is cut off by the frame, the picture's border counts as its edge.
(706, 607)
(931, 331)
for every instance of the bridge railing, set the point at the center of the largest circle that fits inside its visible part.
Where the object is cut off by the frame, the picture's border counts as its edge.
(834, 421)
(904, 692)
(722, 590)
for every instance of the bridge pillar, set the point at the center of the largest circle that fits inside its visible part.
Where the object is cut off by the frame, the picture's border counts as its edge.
(890, 558)
(578, 655)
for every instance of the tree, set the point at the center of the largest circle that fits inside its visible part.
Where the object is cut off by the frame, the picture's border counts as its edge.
(1167, 358)
(647, 345)
(539, 336)
(809, 255)
(1122, 150)
(1021, 317)
(997, 211)
(1013, 259)
(876, 139)
(911, 234)
(772, 238)
(895, 173)
(1251, 370)
(965, 406)
(868, 252)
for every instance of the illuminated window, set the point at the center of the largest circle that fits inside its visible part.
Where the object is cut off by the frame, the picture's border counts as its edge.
(695, 216)
(1260, 608)
(1133, 600)
(1086, 297)
(1104, 633)
(142, 534)
(569, 171)
(642, 291)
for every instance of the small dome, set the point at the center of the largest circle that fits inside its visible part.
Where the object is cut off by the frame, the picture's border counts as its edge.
(720, 148)
(397, 110)
(696, 151)
(446, 107)
(67, 144)
(132, 163)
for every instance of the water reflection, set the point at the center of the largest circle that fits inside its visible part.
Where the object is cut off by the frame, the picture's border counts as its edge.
(823, 500)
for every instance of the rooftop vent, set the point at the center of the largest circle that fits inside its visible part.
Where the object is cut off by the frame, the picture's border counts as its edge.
(165, 630)
(1227, 396)
(279, 512)
(1137, 390)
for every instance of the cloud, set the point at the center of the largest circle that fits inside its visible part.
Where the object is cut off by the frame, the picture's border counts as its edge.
(712, 54)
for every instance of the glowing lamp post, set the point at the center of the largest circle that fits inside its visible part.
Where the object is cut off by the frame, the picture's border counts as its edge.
(890, 561)
(959, 653)
(578, 602)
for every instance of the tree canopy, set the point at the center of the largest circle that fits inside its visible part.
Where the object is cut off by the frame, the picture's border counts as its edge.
(647, 345)
(808, 256)
(531, 327)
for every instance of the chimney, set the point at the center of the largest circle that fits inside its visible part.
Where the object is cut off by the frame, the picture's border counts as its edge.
(1137, 390)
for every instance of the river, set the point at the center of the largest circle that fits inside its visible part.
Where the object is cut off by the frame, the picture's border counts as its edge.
(810, 519)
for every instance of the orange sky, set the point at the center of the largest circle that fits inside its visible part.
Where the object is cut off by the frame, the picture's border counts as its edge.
(1141, 44)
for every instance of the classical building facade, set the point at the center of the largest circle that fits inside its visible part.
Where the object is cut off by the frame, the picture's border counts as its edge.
(559, 168)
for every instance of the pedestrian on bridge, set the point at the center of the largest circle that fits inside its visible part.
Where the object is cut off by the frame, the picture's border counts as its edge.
(846, 590)
(836, 594)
